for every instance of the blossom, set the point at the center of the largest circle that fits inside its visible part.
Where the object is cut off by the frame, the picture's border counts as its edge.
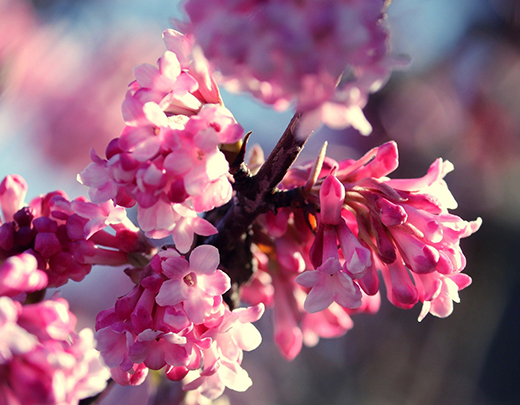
(168, 159)
(279, 265)
(15, 340)
(175, 320)
(302, 50)
(332, 281)
(65, 238)
(222, 359)
(19, 274)
(43, 361)
(406, 224)
(195, 284)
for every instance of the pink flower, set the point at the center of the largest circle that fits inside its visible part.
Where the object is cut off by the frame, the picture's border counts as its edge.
(49, 363)
(193, 61)
(406, 224)
(179, 220)
(194, 284)
(332, 282)
(329, 284)
(171, 166)
(12, 194)
(48, 320)
(14, 340)
(439, 300)
(175, 320)
(223, 358)
(66, 238)
(301, 52)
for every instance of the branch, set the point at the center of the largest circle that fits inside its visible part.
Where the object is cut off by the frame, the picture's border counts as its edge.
(254, 196)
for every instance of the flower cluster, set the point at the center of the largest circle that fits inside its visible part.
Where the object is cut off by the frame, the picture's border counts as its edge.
(42, 359)
(314, 244)
(65, 237)
(302, 50)
(317, 269)
(175, 319)
(406, 227)
(167, 159)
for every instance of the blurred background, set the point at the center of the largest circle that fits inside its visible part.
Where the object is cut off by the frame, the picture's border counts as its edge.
(64, 68)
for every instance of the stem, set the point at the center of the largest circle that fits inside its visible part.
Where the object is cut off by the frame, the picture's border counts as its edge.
(254, 196)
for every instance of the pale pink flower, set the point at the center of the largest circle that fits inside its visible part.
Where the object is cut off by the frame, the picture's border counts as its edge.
(156, 349)
(151, 132)
(167, 84)
(439, 292)
(328, 284)
(175, 320)
(193, 61)
(194, 284)
(48, 320)
(222, 360)
(102, 187)
(178, 220)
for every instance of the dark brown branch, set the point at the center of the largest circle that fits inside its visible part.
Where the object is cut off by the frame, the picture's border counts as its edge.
(254, 195)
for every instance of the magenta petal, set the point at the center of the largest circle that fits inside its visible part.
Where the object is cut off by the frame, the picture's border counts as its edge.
(319, 298)
(308, 278)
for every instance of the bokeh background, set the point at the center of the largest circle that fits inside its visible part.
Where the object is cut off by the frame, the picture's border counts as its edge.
(64, 67)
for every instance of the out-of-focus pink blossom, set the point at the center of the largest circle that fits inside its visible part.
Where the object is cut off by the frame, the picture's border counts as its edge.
(14, 340)
(302, 50)
(48, 363)
(19, 274)
(54, 94)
